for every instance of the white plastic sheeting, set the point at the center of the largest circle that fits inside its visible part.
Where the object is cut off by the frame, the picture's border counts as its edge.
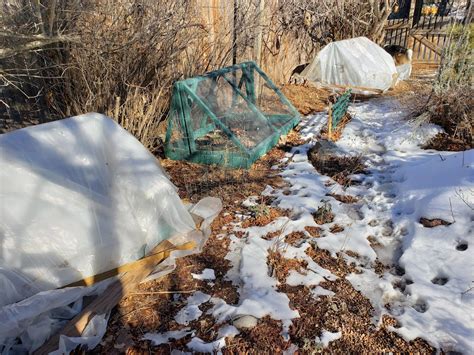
(78, 197)
(26, 325)
(356, 62)
(404, 71)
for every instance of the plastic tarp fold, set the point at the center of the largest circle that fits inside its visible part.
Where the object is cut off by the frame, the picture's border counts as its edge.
(356, 62)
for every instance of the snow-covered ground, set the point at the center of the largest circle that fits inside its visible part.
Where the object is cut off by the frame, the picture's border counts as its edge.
(428, 284)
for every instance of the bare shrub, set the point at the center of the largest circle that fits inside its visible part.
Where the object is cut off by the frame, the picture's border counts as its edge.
(119, 57)
(324, 21)
(451, 100)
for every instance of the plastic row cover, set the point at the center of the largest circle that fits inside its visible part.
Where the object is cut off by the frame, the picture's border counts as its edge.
(356, 62)
(79, 196)
(26, 325)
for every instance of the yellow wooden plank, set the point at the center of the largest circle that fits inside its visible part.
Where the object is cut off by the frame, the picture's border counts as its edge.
(134, 273)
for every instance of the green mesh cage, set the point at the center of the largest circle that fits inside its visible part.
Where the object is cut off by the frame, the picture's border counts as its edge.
(229, 117)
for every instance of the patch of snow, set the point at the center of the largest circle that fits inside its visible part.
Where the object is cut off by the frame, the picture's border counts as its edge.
(163, 338)
(191, 311)
(319, 291)
(251, 201)
(245, 322)
(309, 279)
(198, 345)
(291, 350)
(408, 183)
(327, 337)
(227, 331)
(379, 290)
(180, 352)
(258, 291)
(207, 274)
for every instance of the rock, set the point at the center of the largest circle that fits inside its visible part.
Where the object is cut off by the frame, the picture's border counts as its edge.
(245, 322)
(324, 149)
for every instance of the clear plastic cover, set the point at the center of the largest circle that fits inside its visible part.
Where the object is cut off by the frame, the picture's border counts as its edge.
(79, 196)
(234, 111)
(356, 62)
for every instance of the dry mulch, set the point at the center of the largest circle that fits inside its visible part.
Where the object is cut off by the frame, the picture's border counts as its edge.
(263, 218)
(344, 198)
(307, 99)
(196, 181)
(435, 222)
(445, 142)
(336, 229)
(338, 168)
(347, 311)
(315, 232)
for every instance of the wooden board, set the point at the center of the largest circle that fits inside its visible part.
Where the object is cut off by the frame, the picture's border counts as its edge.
(134, 273)
(427, 43)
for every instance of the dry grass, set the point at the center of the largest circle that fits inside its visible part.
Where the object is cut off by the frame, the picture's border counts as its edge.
(451, 100)
(452, 110)
(307, 99)
(197, 181)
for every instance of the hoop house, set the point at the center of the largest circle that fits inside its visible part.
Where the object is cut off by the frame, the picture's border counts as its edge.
(229, 117)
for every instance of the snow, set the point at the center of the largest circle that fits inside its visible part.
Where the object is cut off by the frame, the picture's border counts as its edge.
(227, 331)
(191, 311)
(257, 290)
(207, 274)
(163, 338)
(410, 183)
(326, 337)
(429, 295)
(198, 345)
(405, 183)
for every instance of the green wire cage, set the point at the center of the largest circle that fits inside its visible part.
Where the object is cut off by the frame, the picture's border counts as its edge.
(229, 117)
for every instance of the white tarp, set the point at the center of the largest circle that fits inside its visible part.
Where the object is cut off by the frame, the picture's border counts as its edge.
(78, 197)
(356, 62)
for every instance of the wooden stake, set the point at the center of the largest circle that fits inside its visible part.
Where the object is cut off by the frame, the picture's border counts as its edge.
(330, 123)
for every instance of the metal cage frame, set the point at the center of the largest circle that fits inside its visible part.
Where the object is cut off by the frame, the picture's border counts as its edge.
(185, 95)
